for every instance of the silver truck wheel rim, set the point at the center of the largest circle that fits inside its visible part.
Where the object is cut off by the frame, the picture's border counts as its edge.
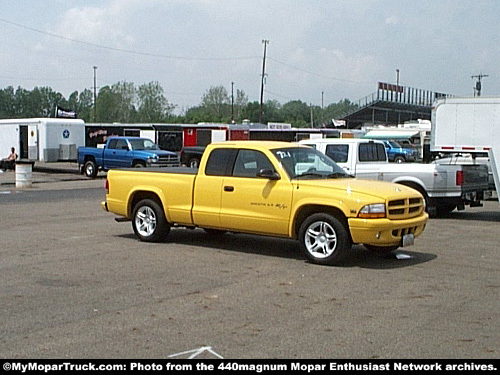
(90, 169)
(145, 221)
(320, 239)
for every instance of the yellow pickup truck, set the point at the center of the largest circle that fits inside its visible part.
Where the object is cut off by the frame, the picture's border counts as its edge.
(269, 188)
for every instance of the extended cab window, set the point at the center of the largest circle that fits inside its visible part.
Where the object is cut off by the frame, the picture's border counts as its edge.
(338, 153)
(220, 162)
(249, 162)
(371, 152)
(112, 144)
(121, 144)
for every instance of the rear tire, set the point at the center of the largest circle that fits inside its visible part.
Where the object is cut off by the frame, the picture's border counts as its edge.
(149, 221)
(443, 209)
(90, 169)
(324, 239)
(194, 163)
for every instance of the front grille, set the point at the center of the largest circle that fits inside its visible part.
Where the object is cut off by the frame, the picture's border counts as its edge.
(405, 208)
(168, 161)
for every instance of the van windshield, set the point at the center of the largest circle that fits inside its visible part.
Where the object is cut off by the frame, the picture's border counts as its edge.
(305, 162)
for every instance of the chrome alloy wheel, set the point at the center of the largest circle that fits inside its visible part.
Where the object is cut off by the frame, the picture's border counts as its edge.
(320, 239)
(145, 221)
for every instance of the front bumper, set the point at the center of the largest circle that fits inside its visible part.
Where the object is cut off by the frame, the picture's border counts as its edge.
(385, 232)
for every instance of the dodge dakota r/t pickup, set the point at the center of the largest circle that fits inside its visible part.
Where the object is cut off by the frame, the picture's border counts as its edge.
(269, 188)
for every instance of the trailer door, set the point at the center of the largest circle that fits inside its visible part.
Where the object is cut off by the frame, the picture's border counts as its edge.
(33, 142)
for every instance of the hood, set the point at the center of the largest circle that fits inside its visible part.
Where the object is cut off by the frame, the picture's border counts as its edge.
(363, 189)
(155, 152)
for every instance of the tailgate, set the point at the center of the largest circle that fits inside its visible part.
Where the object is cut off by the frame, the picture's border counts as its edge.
(474, 177)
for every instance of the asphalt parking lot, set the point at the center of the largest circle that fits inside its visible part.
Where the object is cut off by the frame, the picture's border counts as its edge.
(76, 284)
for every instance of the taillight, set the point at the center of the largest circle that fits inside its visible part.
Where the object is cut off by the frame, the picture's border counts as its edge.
(460, 178)
(106, 186)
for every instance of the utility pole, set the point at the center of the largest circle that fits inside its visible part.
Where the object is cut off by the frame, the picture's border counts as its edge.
(266, 42)
(95, 95)
(397, 85)
(232, 102)
(477, 88)
(322, 110)
(312, 115)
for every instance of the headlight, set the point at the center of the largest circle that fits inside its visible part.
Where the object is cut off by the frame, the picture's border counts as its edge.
(372, 211)
(153, 159)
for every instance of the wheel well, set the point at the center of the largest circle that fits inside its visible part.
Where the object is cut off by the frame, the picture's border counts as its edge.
(309, 210)
(138, 161)
(139, 196)
(89, 158)
(415, 186)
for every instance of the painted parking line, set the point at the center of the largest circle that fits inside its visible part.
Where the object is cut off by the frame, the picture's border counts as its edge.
(196, 352)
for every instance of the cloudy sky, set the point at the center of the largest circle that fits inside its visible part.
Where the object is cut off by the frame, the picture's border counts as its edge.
(333, 49)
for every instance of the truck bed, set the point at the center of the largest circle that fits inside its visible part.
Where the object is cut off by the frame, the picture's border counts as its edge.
(177, 170)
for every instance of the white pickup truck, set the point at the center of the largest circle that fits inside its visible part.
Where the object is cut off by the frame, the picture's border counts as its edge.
(444, 186)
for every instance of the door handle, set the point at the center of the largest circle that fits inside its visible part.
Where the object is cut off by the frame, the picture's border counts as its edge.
(228, 188)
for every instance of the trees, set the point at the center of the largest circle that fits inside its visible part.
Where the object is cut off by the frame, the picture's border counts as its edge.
(152, 104)
(126, 103)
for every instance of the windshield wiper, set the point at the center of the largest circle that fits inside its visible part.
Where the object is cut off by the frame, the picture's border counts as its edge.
(315, 174)
(339, 175)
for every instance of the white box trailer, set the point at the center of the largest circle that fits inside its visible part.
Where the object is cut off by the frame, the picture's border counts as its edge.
(42, 139)
(468, 125)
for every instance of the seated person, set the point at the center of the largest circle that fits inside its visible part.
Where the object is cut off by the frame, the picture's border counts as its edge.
(9, 161)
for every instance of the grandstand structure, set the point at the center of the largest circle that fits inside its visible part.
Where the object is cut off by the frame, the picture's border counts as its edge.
(392, 104)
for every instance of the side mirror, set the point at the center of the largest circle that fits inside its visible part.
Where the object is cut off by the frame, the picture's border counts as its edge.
(269, 174)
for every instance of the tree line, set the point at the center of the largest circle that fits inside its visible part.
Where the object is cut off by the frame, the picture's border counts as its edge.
(125, 102)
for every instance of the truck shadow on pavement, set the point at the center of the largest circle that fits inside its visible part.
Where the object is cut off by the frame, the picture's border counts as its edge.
(485, 216)
(286, 248)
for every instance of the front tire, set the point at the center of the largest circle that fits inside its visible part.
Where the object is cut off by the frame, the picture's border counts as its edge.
(149, 221)
(324, 239)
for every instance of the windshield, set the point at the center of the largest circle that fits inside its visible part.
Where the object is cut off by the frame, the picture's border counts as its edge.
(143, 144)
(305, 162)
